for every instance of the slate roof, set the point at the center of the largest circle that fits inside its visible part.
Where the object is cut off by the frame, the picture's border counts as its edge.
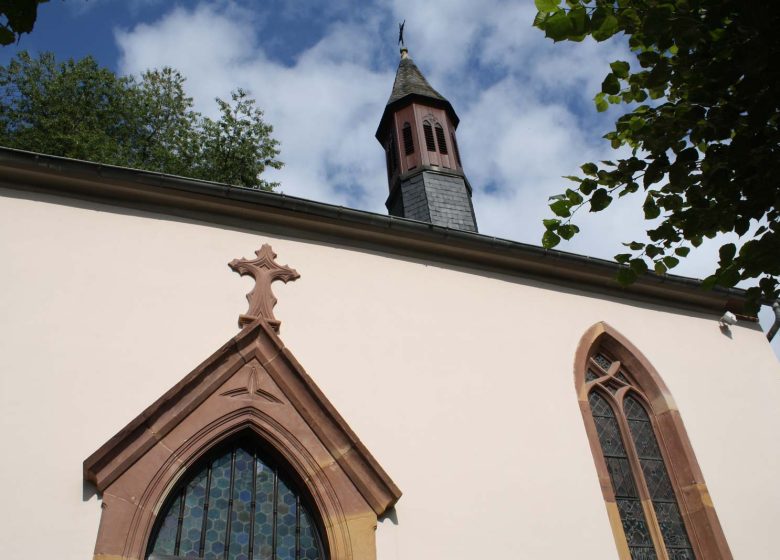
(409, 80)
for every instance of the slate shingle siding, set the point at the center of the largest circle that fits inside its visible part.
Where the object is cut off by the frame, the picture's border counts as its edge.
(442, 200)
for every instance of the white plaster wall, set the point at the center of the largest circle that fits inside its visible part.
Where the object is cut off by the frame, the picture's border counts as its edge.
(459, 382)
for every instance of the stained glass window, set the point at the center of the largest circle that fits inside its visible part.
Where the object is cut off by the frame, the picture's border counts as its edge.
(602, 361)
(620, 473)
(657, 479)
(236, 505)
(636, 468)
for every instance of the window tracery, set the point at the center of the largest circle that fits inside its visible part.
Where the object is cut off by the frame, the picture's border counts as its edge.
(615, 416)
(659, 505)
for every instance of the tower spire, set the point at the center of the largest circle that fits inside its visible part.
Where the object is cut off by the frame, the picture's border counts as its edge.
(424, 171)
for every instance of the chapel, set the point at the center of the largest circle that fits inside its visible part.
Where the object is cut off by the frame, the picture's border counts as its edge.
(195, 370)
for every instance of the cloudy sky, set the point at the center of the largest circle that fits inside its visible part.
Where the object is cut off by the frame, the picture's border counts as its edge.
(322, 72)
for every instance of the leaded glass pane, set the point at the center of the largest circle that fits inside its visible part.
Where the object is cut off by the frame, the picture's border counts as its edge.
(609, 436)
(309, 543)
(590, 375)
(602, 361)
(672, 528)
(599, 406)
(286, 521)
(219, 496)
(192, 523)
(264, 512)
(659, 486)
(248, 510)
(620, 375)
(241, 512)
(632, 516)
(634, 525)
(166, 536)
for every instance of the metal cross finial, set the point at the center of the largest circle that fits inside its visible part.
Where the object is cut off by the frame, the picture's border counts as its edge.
(401, 33)
(265, 270)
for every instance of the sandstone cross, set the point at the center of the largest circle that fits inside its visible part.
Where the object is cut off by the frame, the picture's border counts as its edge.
(265, 270)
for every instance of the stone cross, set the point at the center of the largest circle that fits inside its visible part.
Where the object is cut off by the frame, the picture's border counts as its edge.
(265, 270)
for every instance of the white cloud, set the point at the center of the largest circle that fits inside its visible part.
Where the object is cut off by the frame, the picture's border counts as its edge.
(524, 102)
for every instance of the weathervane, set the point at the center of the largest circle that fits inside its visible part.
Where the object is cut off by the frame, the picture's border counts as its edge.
(401, 33)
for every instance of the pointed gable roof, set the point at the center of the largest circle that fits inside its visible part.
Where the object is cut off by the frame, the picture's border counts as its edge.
(409, 86)
(410, 81)
(253, 375)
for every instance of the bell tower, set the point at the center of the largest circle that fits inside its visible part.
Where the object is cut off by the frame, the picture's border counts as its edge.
(424, 171)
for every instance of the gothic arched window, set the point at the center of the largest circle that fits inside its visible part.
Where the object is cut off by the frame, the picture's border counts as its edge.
(655, 492)
(236, 504)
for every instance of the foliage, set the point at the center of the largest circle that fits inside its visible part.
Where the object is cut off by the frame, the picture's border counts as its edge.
(702, 131)
(19, 16)
(80, 110)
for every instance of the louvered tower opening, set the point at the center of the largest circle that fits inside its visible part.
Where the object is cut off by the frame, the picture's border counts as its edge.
(408, 139)
(430, 143)
(441, 139)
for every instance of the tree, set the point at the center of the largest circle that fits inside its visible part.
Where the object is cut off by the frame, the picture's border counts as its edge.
(702, 129)
(81, 110)
(20, 16)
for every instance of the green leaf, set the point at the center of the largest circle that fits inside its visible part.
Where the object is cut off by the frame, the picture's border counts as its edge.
(581, 23)
(567, 231)
(546, 5)
(561, 208)
(550, 239)
(709, 282)
(573, 196)
(623, 258)
(652, 251)
(727, 253)
(589, 169)
(551, 223)
(682, 251)
(601, 103)
(572, 178)
(729, 276)
(635, 246)
(610, 85)
(607, 28)
(599, 200)
(741, 226)
(671, 262)
(6, 36)
(558, 26)
(651, 209)
(588, 186)
(620, 68)
(626, 276)
(638, 265)
(660, 268)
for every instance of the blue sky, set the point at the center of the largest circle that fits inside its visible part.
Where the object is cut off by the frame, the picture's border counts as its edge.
(322, 71)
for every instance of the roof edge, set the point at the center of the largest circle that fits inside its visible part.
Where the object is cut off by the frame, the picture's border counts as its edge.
(210, 201)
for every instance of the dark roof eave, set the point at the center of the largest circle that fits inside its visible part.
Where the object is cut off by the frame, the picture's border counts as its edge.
(208, 200)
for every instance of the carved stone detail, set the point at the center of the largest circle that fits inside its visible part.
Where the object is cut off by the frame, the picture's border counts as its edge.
(251, 388)
(265, 270)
